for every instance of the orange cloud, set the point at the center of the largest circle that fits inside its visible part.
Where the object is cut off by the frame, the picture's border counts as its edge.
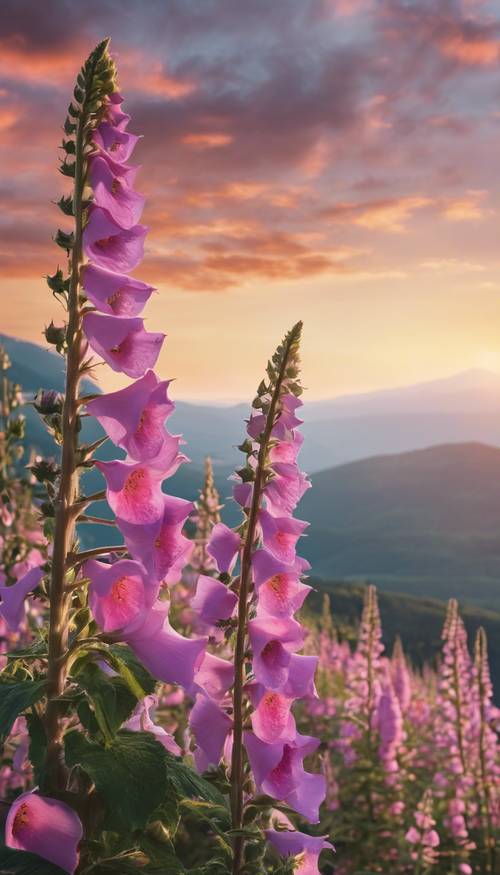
(390, 214)
(467, 208)
(207, 141)
(478, 51)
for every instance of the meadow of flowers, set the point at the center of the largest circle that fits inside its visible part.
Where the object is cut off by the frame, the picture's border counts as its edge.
(164, 705)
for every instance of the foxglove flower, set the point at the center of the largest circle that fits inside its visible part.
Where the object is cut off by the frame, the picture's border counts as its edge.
(113, 194)
(115, 293)
(134, 418)
(304, 847)
(120, 594)
(141, 721)
(160, 544)
(13, 597)
(45, 827)
(109, 245)
(169, 656)
(123, 343)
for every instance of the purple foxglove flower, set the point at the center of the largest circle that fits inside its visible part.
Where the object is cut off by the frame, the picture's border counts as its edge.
(169, 657)
(141, 721)
(280, 535)
(223, 547)
(214, 677)
(286, 488)
(120, 595)
(280, 591)
(272, 719)
(123, 343)
(279, 772)
(242, 493)
(134, 417)
(212, 600)
(298, 844)
(113, 194)
(273, 641)
(301, 672)
(108, 245)
(13, 596)
(113, 113)
(286, 451)
(45, 827)
(160, 546)
(133, 491)
(115, 143)
(115, 293)
(210, 726)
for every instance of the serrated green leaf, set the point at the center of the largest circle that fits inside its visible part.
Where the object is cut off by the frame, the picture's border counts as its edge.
(129, 667)
(38, 744)
(111, 698)
(21, 863)
(129, 775)
(15, 697)
(187, 782)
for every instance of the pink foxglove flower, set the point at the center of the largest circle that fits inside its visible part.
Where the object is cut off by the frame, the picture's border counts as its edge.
(120, 594)
(159, 545)
(273, 642)
(212, 600)
(297, 844)
(141, 721)
(114, 195)
(108, 245)
(210, 726)
(134, 418)
(115, 143)
(223, 547)
(123, 343)
(45, 827)
(279, 588)
(169, 656)
(279, 772)
(115, 293)
(13, 597)
(280, 535)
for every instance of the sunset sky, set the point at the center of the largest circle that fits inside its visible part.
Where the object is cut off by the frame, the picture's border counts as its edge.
(330, 160)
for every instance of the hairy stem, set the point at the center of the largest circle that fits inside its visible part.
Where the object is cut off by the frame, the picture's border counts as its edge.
(237, 775)
(65, 517)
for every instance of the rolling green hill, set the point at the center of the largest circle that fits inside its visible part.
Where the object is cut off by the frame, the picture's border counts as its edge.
(425, 522)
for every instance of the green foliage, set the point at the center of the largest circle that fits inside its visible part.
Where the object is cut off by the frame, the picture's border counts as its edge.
(129, 775)
(111, 698)
(21, 863)
(15, 697)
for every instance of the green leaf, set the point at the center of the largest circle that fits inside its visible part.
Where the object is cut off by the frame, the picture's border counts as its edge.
(21, 863)
(15, 697)
(186, 782)
(111, 698)
(161, 856)
(129, 775)
(129, 667)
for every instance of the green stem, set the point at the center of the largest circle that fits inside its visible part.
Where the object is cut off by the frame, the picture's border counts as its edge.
(56, 773)
(237, 776)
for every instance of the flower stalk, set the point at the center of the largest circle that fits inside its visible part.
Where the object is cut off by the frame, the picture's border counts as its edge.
(237, 772)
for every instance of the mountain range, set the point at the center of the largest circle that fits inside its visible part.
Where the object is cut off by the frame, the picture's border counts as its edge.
(423, 518)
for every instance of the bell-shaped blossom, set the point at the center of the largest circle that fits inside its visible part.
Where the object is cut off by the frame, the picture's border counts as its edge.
(45, 827)
(280, 535)
(141, 721)
(113, 193)
(279, 588)
(115, 293)
(286, 451)
(134, 491)
(301, 673)
(279, 772)
(272, 719)
(212, 600)
(120, 594)
(273, 642)
(123, 343)
(223, 546)
(114, 142)
(160, 544)
(169, 657)
(214, 677)
(134, 417)
(113, 113)
(13, 596)
(297, 844)
(210, 726)
(108, 245)
(285, 488)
